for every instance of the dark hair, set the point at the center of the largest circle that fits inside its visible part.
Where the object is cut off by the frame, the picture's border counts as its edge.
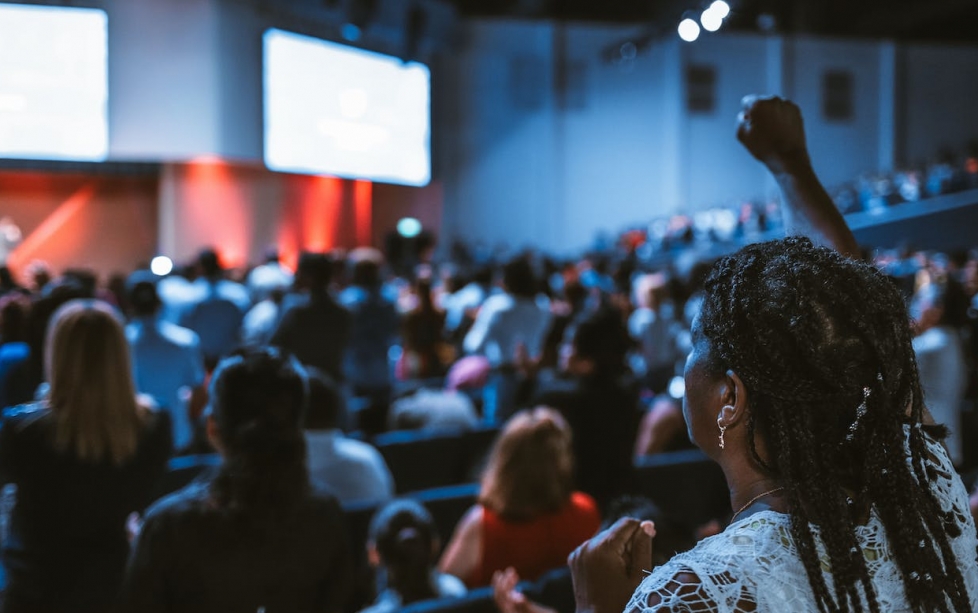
(257, 402)
(209, 263)
(365, 273)
(315, 270)
(325, 401)
(603, 338)
(143, 297)
(15, 309)
(404, 534)
(806, 330)
(518, 278)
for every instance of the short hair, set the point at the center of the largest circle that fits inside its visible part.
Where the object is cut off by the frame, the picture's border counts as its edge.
(142, 295)
(92, 394)
(603, 338)
(531, 466)
(325, 401)
(519, 279)
(315, 269)
(209, 262)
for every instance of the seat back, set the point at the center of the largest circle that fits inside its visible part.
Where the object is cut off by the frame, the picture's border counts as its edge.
(686, 485)
(422, 459)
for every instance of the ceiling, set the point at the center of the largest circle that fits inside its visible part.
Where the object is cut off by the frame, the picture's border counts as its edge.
(938, 20)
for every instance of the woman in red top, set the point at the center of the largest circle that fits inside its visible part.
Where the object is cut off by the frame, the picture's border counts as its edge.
(528, 516)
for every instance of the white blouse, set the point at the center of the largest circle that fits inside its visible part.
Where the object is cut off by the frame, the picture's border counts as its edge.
(754, 564)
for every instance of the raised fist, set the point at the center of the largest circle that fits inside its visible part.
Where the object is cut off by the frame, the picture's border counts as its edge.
(772, 130)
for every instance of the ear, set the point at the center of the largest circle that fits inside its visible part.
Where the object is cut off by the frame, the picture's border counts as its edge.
(214, 435)
(733, 394)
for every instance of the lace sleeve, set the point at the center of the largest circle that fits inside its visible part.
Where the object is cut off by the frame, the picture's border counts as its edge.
(944, 481)
(683, 592)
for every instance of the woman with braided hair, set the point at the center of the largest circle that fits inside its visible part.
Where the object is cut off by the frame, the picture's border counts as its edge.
(802, 384)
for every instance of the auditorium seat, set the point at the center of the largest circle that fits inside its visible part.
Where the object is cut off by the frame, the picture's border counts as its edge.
(423, 459)
(447, 505)
(182, 470)
(686, 485)
(475, 601)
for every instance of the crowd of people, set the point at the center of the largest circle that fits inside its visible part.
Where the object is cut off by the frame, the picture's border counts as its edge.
(793, 366)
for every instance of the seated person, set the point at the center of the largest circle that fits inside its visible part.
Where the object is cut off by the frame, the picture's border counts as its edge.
(529, 516)
(352, 470)
(403, 546)
(258, 537)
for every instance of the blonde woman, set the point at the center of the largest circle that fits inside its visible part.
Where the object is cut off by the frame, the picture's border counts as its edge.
(529, 517)
(83, 460)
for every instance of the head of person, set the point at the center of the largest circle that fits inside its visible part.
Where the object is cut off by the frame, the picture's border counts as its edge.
(599, 345)
(518, 278)
(92, 396)
(365, 267)
(314, 272)
(15, 309)
(209, 263)
(802, 358)
(325, 402)
(422, 290)
(651, 291)
(403, 542)
(144, 301)
(530, 470)
(257, 404)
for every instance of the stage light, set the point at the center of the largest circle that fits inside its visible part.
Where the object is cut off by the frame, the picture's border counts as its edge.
(720, 8)
(409, 227)
(689, 30)
(161, 265)
(711, 20)
(677, 387)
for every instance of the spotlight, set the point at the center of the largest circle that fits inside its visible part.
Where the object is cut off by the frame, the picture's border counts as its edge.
(721, 8)
(689, 30)
(677, 387)
(161, 266)
(409, 227)
(711, 20)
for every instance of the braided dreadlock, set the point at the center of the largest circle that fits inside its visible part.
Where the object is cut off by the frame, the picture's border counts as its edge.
(814, 335)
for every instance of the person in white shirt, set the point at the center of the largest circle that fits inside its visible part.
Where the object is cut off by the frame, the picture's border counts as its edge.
(268, 277)
(10, 236)
(654, 327)
(354, 471)
(168, 363)
(511, 320)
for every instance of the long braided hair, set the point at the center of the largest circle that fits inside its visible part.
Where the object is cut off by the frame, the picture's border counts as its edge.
(823, 346)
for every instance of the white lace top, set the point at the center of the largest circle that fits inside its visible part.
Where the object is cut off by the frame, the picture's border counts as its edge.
(753, 565)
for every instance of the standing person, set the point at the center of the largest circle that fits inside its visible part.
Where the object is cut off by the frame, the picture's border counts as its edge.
(425, 352)
(316, 330)
(374, 328)
(168, 363)
(802, 385)
(601, 403)
(217, 310)
(83, 460)
(257, 537)
(10, 237)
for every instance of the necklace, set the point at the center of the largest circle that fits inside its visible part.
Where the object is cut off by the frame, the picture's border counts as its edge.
(753, 500)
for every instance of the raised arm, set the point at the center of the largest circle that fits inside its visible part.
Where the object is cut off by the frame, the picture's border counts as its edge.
(771, 129)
